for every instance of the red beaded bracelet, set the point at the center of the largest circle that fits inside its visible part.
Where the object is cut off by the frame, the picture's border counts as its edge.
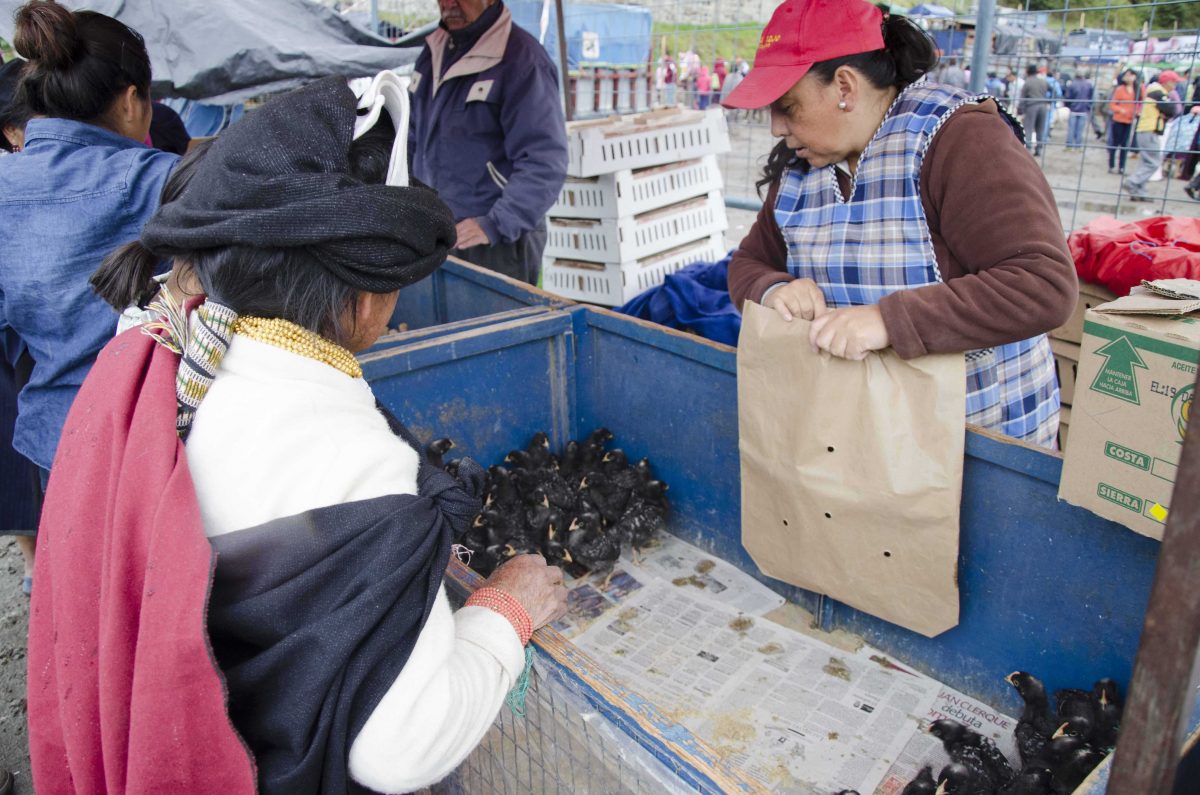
(506, 605)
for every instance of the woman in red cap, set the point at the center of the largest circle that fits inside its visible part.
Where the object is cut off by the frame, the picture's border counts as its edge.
(902, 213)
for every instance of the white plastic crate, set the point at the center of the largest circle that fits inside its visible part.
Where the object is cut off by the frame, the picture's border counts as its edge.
(614, 284)
(635, 236)
(629, 192)
(655, 138)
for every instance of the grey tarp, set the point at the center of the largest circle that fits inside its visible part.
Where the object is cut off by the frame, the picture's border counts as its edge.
(226, 51)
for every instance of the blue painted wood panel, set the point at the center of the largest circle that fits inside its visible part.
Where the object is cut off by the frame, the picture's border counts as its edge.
(1045, 586)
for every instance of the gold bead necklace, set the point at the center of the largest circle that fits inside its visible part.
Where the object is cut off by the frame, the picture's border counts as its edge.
(299, 340)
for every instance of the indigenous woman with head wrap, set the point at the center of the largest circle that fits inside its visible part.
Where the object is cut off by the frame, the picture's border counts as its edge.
(83, 185)
(254, 595)
(903, 213)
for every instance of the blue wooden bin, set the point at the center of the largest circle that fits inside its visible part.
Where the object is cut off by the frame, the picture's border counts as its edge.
(1045, 586)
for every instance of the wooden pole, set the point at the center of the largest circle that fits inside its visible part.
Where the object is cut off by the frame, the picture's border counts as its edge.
(1160, 697)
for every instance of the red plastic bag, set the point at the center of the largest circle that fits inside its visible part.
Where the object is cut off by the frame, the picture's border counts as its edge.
(1120, 255)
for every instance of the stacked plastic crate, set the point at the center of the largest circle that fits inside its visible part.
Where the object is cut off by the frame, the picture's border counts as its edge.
(642, 200)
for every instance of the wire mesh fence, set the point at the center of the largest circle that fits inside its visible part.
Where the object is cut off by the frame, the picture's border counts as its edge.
(559, 746)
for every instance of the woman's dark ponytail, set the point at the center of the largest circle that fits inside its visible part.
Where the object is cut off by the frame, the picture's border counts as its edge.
(79, 61)
(126, 277)
(913, 51)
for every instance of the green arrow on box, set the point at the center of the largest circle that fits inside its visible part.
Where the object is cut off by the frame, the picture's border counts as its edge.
(1118, 376)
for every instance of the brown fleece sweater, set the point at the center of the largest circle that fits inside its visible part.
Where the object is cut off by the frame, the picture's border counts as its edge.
(996, 235)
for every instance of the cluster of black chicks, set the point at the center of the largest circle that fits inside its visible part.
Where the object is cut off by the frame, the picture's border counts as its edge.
(578, 508)
(1058, 749)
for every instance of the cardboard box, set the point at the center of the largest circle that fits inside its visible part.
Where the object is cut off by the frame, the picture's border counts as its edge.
(1090, 297)
(1064, 421)
(1066, 364)
(1134, 393)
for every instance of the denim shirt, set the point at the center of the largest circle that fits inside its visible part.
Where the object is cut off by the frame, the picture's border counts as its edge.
(72, 196)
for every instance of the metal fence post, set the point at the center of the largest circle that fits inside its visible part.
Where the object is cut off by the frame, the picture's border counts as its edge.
(375, 17)
(983, 44)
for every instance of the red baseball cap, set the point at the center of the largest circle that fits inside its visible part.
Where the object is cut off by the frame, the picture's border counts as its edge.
(800, 34)
(1168, 76)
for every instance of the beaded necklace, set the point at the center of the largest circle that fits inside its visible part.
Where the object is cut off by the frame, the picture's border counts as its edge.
(299, 340)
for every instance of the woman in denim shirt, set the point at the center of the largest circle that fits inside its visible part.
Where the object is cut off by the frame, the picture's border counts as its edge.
(83, 185)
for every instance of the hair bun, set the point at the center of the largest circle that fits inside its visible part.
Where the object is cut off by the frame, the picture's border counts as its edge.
(45, 32)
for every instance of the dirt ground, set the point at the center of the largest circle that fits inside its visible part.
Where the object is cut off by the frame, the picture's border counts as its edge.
(14, 623)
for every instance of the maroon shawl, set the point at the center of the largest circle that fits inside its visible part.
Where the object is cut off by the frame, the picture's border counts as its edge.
(124, 693)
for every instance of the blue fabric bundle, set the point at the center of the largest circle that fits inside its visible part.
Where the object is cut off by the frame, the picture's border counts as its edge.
(694, 299)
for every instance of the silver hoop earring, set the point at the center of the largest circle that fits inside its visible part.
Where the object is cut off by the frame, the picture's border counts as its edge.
(841, 105)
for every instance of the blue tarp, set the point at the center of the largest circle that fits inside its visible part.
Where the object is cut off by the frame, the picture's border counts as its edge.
(596, 34)
(950, 42)
(930, 10)
(693, 299)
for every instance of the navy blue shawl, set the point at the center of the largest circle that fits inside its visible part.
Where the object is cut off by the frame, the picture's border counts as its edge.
(313, 616)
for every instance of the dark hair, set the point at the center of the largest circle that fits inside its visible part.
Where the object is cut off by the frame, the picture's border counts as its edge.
(1031, 69)
(284, 283)
(127, 275)
(14, 115)
(908, 54)
(79, 61)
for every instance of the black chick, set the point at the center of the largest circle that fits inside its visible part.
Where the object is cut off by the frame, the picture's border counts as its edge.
(597, 491)
(485, 559)
(1106, 702)
(436, 449)
(1030, 781)
(970, 748)
(1075, 726)
(499, 491)
(538, 451)
(1035, 726)
(641, 519)
(1071, 702)
(558, 491)
(624, 478)
(555, 546)
(923, 784)
(519, 460)
(568, 464)
(1072, 761)
(592, 547)
(958, 779)
(593, 450)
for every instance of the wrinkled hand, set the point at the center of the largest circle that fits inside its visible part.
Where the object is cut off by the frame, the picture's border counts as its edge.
(849, 333)
(537, 585)
(800, 298)
(470, 233)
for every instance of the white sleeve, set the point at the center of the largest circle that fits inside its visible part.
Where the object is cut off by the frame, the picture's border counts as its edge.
(442, 703)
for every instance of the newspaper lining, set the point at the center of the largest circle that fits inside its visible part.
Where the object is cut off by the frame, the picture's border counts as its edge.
(795, 713)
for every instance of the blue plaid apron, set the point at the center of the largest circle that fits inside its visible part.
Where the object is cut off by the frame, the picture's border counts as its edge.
(878, 242)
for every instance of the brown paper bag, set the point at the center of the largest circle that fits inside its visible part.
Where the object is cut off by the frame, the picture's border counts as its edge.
(852, 471)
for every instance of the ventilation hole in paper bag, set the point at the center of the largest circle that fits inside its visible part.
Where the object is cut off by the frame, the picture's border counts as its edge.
(887, 554)
(828, 515)
(785, 524)
(830, 449)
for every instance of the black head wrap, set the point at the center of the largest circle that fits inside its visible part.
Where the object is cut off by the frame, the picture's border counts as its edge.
(280, 178)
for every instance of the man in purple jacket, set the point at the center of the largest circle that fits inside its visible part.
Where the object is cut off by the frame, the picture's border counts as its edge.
(1078, 97)
(488, 134)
